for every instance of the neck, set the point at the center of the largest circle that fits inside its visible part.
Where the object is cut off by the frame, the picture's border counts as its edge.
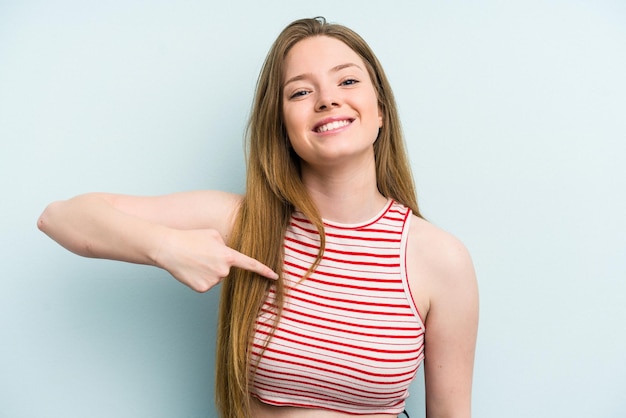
(345, 194)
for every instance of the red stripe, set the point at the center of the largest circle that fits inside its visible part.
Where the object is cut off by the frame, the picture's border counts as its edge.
(313, 279)
(351, 354)
(392, 230)
(341, 308)
(326, 320)
(330, 363)
(310, 379)
(350, 253)
(300, 289)
(355, 276)
(293, 391)
(343, 276)
(348, 286)
(328, 234)
(389, 409)
(359, 263)
(325, 402)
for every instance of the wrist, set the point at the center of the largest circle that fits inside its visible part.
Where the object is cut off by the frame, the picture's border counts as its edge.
(158, 253)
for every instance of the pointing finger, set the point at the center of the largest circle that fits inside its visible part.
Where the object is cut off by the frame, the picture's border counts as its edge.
(248, 263)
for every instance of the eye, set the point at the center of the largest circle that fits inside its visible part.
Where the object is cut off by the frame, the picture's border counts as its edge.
(349, 82)
(299, 93)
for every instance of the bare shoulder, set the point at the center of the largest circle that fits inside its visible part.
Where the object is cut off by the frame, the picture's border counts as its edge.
(441, 251)
(439, 264)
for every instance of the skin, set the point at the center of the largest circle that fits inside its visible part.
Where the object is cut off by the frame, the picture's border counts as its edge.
(185, 233)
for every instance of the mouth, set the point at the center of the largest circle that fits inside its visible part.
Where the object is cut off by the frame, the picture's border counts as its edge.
(332, 125)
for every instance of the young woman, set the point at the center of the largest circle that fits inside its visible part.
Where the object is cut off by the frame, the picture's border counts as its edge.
(334, 287)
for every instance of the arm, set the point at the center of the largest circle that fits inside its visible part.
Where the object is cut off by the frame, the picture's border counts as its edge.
(183, 233)
(449, 301)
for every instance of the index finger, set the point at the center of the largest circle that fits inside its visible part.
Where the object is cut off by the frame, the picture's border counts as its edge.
(248, 263)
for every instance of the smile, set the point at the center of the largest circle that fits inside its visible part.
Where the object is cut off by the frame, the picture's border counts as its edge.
(331, 126)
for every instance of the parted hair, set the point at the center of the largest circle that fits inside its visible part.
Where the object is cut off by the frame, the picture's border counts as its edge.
(274, 189)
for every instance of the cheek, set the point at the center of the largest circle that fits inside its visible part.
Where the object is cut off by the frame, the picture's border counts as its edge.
(374, 109)
(289, 120)
(295, 124)
(290, 130)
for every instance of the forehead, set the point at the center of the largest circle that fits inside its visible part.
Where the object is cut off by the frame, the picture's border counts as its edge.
(318, 54)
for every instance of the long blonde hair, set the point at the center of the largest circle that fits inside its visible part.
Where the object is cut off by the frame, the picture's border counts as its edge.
(273, 190)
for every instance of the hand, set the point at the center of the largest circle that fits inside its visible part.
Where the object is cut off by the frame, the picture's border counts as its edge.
(200, 259)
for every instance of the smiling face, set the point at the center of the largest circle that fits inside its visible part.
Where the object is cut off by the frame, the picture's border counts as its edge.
(330, 106)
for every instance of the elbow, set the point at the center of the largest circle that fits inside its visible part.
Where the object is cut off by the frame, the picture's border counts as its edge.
(53, 222)
(44, 221)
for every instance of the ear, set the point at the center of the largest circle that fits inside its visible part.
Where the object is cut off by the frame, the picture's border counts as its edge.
(380, 117)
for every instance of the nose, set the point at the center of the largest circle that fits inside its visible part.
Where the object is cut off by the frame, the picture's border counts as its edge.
(326, 99)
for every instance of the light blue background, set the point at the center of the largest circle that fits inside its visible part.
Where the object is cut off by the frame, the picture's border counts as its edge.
(515, 117)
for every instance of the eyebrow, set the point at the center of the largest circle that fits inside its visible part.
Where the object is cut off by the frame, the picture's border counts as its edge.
(332, 70)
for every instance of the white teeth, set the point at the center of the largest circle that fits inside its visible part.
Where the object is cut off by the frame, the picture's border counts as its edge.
(333, 125)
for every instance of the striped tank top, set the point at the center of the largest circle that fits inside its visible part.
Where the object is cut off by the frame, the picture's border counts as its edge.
(350, 338)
